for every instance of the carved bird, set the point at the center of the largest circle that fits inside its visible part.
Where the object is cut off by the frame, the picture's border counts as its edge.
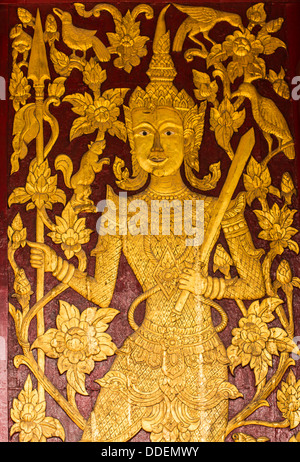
(269, 118)
(80, 39)
(202, 19)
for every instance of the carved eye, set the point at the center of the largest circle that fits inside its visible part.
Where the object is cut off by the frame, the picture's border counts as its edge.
(144, 133)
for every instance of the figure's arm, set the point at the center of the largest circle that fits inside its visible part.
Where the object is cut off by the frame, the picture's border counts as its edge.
(249, 285)
(98, 289)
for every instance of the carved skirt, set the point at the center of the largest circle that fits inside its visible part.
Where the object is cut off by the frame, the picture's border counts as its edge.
(167, 381)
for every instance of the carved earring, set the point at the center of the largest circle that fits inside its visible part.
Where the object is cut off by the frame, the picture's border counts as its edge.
(139, 176)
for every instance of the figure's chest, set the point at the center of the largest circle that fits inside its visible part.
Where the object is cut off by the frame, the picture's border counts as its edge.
(158, 259)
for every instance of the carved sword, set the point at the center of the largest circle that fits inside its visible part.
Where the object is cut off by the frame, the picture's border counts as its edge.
(243, 152)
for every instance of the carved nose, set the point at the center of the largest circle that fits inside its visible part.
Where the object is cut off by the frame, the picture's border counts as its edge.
(157, 147)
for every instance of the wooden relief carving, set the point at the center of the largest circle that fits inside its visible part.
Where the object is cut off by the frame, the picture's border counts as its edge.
(173, 375)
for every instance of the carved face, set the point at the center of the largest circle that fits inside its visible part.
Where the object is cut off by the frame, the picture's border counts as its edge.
(159, 141)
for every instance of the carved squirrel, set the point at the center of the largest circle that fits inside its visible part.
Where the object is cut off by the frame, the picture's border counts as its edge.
(80, 182)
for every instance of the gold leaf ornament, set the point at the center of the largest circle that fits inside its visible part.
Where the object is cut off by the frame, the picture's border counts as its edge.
(258, 181)
(254, 342)
(256, 15)
(94, 75)
(127, 43)
(225, 121)
(57, 88)
(98, 114)
(288, 400)
(51, 33)
(70, 232)
(19, 88)
(30, 419)
(277, 229)
(26, 17)
(206, 89)
(17, 234)
(287, 188)
(40, 188)
(280, 86)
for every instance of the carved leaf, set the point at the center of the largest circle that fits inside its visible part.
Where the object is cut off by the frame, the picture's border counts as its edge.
(60, 62)
(118, 129)
(51, 427)
(216, 55)
(80, 102)
(57, 88)
(80, 126)
(274, 25)
(257, 13)
(234, 70)
(18, 196)
(271, 44)
(264, 310)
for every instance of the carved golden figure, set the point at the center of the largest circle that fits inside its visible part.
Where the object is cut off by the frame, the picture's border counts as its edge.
(170, 377)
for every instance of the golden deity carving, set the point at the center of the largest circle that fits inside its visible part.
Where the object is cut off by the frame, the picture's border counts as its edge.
(170, 377)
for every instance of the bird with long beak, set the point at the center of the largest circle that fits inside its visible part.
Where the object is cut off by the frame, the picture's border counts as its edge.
(80, 39)
(269, 118)
(202, 19)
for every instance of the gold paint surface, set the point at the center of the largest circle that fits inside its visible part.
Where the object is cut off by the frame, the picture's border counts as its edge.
(170, 376)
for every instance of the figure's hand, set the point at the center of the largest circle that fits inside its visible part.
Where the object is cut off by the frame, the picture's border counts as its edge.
(192, 281)
(42, 254)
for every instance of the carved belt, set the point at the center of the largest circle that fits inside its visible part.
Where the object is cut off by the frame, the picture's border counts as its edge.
(156, 289)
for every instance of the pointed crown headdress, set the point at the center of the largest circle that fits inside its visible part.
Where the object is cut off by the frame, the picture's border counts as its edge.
(162, 92)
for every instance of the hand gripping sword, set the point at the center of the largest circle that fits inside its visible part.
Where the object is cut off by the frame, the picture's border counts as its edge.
(243, 152)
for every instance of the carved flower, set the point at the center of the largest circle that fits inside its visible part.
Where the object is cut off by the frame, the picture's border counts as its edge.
(101, 113)
(29, 417)
(256, 15)
(206, 89)
(276, 228)
(93, 75)
(127, 43)
(40, 188)
(242, 46)
(257, 182)
(287, 188)
(288, 400)
(224, 122)
(70, 232)
(17, 234)
(284, 273)
(254, 342)
(22, 288)
(78, 341)
(285, 279)
(251, 336)
(19, 88)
